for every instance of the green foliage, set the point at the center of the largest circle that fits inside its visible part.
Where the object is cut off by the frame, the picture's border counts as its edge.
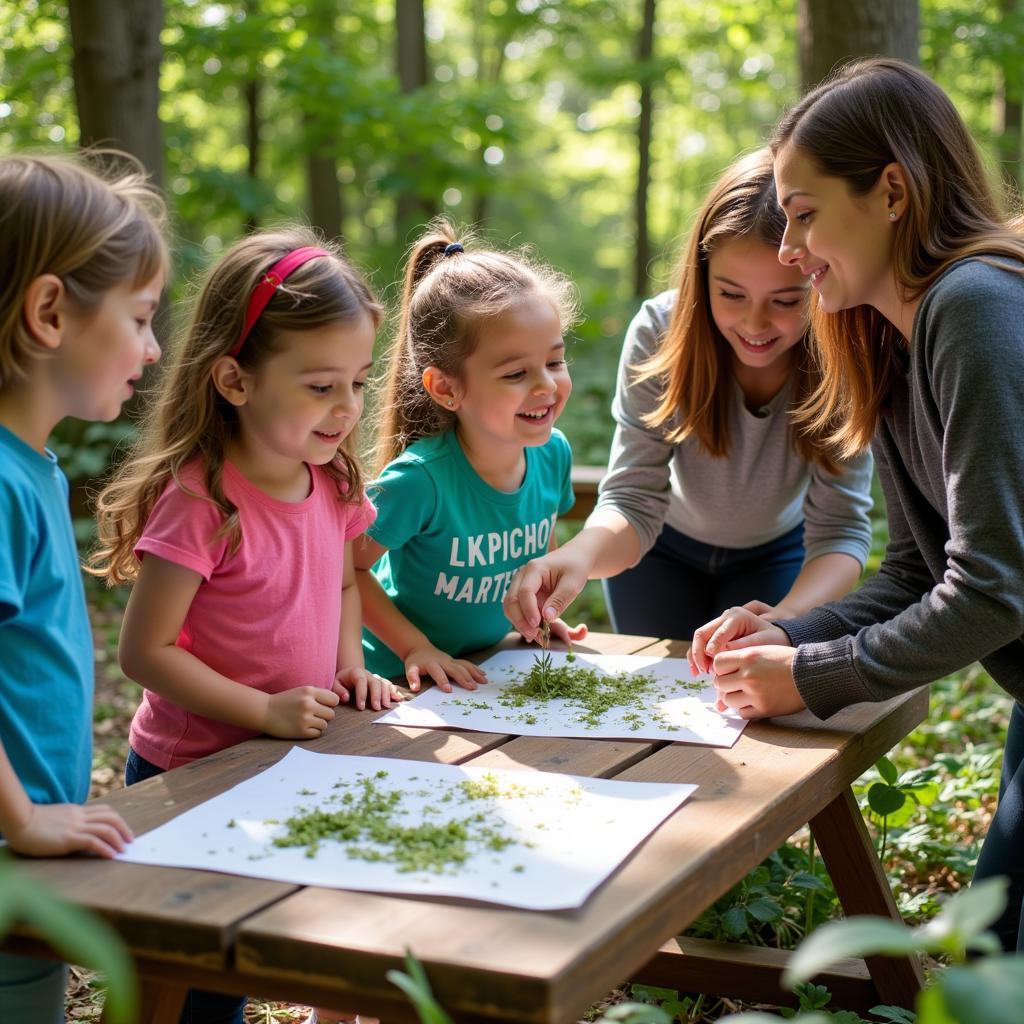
(774, 905)
(528, 124)
(76, 935)
(894, 798)
(987, 991)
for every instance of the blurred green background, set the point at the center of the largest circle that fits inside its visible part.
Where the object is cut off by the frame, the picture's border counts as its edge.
(587, 129)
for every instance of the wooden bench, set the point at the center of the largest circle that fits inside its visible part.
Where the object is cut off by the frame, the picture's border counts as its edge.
(584, 484)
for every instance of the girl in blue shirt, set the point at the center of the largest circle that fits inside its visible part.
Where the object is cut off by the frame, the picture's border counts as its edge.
(82, 265)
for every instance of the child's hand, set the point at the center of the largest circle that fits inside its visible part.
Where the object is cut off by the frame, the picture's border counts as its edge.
(543, 589)
(53, 830)
(442, 668)
(362, 684)
(301, 713)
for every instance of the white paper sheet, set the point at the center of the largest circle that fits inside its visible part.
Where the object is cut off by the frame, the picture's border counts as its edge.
(568, 833)
(683, 711)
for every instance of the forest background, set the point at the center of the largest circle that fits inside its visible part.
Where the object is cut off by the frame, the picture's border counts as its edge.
(587, 129)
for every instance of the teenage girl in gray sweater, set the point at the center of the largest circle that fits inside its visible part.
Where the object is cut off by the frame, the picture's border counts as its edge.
(920, 325)
(711, 497)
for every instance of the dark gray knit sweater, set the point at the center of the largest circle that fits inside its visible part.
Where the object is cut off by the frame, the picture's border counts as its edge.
(950, 455)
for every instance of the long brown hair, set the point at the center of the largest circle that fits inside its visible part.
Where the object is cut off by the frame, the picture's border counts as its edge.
(189, 419)
(868, 115)
(92, 220)
(694, 360)
(446, 301)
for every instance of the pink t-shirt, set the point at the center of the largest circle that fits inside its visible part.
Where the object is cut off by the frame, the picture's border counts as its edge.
(266, 616)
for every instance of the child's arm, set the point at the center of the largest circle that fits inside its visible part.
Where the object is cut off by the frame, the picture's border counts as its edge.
(148, 654)
(605, 546)
(352, 678)
(398, 633)
(51, 830)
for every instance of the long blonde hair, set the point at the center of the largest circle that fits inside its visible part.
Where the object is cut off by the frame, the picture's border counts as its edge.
(189, 419)
(446, 301)
(93, 220)
(693, 361)
(868, 115)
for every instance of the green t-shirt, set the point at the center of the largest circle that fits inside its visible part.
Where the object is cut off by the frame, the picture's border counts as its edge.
(454, 542)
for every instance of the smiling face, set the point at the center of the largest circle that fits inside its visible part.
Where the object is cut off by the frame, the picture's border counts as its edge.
(758, 305)
(515, 383)
(302, 401)
(104, 350)
(843, 242)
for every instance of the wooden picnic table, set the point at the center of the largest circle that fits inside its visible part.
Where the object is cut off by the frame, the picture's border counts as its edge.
(330, 947)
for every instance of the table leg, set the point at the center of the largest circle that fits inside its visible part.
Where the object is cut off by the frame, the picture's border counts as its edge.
(862, 888)
(160, 1002)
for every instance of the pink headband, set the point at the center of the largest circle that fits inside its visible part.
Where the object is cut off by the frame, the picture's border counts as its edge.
(269, 283)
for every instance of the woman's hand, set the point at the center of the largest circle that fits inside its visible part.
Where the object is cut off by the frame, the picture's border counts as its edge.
(757, 682)
(734, 629)
(544, 586)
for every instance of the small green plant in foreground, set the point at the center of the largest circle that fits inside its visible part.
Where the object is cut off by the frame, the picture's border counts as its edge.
(989, 990)
(76, 935)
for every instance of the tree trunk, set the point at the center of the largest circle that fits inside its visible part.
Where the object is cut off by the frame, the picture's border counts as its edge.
(116, 70)
(411, 65)
(832, 33)
(323, 189)
(326, 209)
(1011, 110)
(253, 88)
(645, 54)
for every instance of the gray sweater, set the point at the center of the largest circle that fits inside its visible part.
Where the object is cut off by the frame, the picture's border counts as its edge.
(759, 493)
(950, 454)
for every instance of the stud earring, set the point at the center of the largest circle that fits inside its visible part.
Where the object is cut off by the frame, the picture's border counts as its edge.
(451, 403)
(892, 215)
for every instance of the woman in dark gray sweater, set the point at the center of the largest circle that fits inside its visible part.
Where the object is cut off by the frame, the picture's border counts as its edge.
(919, 320)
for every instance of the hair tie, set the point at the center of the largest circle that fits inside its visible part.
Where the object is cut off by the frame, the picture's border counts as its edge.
(451, 248)
(269, 283)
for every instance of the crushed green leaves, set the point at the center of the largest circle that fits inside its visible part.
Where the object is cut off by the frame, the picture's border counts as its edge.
(595, 692)
(367, 821)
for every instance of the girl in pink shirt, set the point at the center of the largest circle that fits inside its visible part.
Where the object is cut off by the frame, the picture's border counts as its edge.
(234, 515)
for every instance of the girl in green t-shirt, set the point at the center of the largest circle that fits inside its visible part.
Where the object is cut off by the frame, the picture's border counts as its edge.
(471, 472)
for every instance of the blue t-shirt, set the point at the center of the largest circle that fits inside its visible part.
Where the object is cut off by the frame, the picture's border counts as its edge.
(46, 659)
(454, 542)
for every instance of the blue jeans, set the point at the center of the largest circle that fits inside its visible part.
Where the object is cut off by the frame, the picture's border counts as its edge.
(680, 584)
(32, 989)
(1003, 850)
(200, 1007)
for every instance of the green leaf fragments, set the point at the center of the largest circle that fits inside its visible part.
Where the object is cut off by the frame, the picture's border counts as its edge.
(594, 691)
(366, 820)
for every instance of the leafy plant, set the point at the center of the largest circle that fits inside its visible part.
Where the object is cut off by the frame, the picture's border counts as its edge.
(78, 936)
(775, 905)
(895, 797)
(989, 990)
